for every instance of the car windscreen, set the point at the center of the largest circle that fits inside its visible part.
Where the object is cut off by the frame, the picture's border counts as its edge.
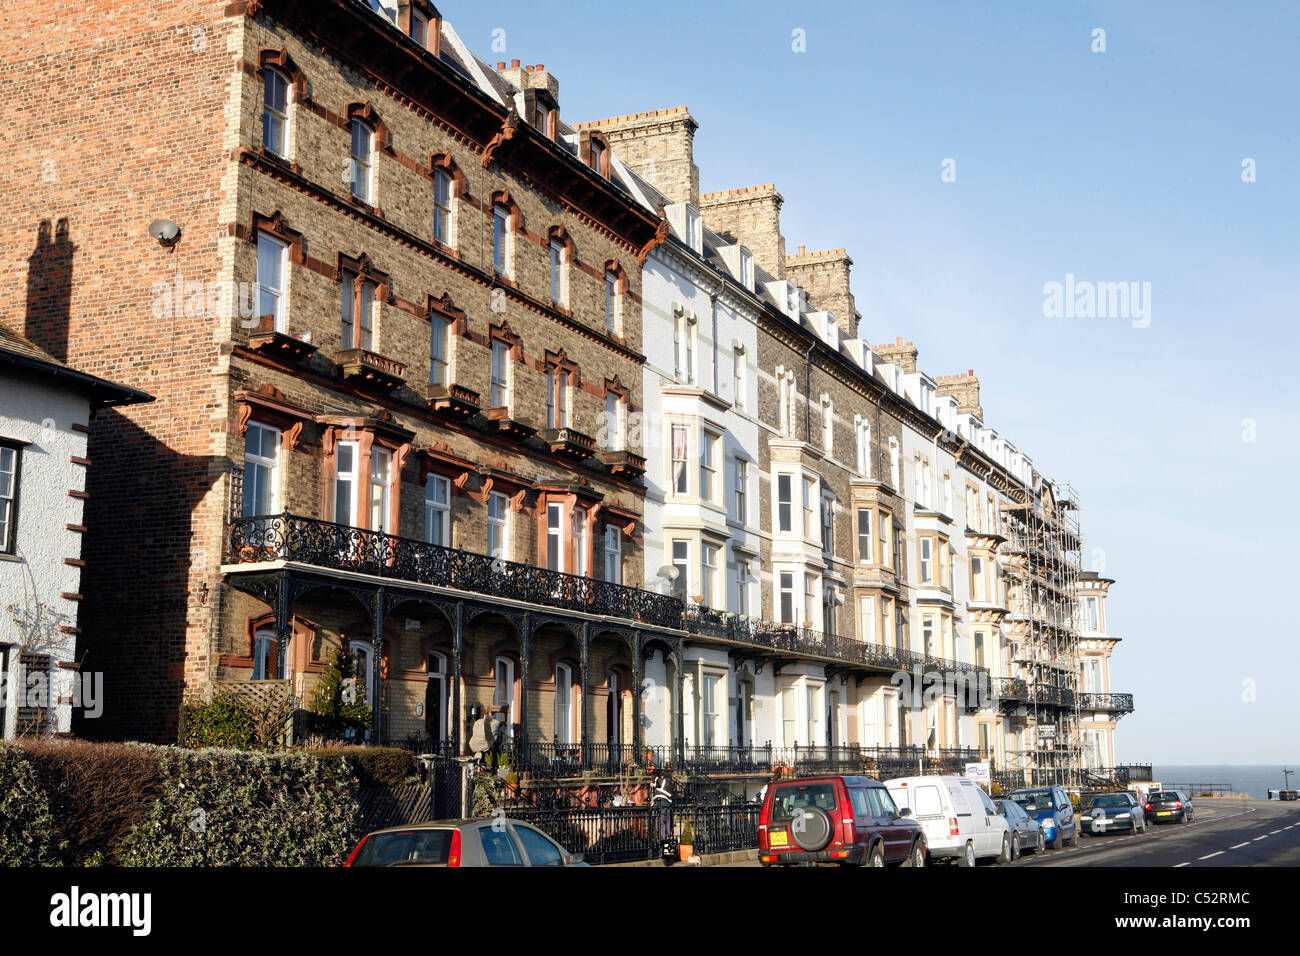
(1110, 800)
(1034, 801)
(789, 798)
(401, 847)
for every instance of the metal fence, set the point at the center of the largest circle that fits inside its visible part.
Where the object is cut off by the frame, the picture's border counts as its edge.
(438, 795)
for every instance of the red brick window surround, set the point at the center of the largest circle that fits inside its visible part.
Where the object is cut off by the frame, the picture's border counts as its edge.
(421, 21)
(449, 184)
(567, 523)
(363, 289)
(563, 253)
(446, 324)
(365, 465)
(507, 349)
(507, 221)
(562, 376)
(593, 149)
(283, 86)
(615, 295)
(614, 422)
(368, 136)
(277, 247)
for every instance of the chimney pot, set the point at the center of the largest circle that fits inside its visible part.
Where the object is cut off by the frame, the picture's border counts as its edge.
(970, 372)
(501, 65)
(899, 340)
(801, 248)
(540, 67)
(514, 64)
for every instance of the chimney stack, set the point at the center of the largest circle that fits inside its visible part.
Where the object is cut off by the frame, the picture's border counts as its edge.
(903, 354)
(531, 78)
(659, 147)
(825, 276)
(752, 215)
(964, 388)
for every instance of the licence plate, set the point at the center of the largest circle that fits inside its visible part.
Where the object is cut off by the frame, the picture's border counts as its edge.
(1163, 813)
(778, 838)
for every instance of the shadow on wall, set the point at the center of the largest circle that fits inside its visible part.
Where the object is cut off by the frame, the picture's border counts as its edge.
(49, 288)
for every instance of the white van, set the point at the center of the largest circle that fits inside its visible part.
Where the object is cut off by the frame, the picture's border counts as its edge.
(959, 819)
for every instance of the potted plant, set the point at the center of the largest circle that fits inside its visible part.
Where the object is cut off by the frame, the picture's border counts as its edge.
(686, 843)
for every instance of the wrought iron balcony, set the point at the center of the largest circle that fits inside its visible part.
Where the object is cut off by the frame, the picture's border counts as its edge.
(1114, 703)
(1012, 690)
(287, 537)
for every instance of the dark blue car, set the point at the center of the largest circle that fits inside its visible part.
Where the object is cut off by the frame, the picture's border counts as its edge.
(1052, 808)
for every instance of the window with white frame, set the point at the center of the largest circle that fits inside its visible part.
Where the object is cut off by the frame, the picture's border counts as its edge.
(357, 325)
(437, 510)
(498, 517)
(439, 332)
(709, 709)
(862, 439)
(613, 554)
(977, 590)
(742, 587)
(864, 535)
(684, 347)
(788, 716)
(272, 268)
(828, 424)
(347, 455)
(381, 512)
(926, 564)
(738, 378)
(867, 619)
(581, 547)
(503, 689)
(708, 465)
(362, 161)
(680, 440)
(501, 240)
(809, 513)
(9, 475)
(557, 397)
(266, 656)
(741, 477)
(563, 704)
(682, 564)
(828, 525)
(555, 558)
(275, 113)
(786, 595)
(613, 302)
(559, 273)
(500, 384)
(709, 574)
(784, 504)
(812, 711)
(442, 208)
(1091, 615)
(809, 596)
(615, 416)
(261, 471)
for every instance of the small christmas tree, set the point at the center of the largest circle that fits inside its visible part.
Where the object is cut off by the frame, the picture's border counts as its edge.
(339, 702)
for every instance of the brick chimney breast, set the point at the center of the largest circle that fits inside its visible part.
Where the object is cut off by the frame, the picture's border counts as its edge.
(965, 389)
(903, 354)
(825, 276)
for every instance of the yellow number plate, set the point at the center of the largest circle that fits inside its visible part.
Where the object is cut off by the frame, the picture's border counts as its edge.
(1163, 813)
(778, 838)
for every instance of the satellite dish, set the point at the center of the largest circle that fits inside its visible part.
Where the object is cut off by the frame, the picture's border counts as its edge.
(669, 572)
(165, 231)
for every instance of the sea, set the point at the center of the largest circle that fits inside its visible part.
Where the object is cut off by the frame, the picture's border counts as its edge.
(1253, 780)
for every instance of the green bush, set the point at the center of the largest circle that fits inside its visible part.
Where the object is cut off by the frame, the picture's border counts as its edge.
(221, 722)
(26, 823)
(372, 766)
(228, 808)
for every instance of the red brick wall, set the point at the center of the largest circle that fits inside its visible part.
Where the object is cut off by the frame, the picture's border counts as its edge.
(114, 117)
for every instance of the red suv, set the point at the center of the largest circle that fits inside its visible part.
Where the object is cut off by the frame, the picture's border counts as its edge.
(846, 820)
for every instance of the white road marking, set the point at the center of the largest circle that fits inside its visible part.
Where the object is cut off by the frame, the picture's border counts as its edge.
(1271, 832)
(1177, 865)
(1264, 837)
(1210, 856)
(1239, 845)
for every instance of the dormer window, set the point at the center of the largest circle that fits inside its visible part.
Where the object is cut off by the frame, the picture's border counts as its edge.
(746, 269)
(543, 119)
(420, 28)
(598, 157)
(694, 233)
(275, 113)
(362, 161)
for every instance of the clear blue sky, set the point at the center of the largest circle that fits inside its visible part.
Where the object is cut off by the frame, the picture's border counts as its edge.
(1117, 166)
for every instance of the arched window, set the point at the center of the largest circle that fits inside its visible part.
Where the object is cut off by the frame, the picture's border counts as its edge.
(362, 160)
(363, 656)
(503, 691)
(275, 112)
(435, 698)
(563, 704)
(266, 656)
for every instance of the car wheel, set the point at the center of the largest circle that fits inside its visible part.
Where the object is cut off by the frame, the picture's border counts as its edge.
(1005, 856)
(877, 857)
(967, 858)
(1039, 844)
(1015, 847)
(917, 856)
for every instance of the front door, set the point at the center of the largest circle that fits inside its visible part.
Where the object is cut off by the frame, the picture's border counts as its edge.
(435, 700)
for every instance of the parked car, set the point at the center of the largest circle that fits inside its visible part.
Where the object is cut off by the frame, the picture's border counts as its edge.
(1169, 806)
(502, 842)
(1051, 807)
(845, 820)
(959, 819)
(1109, 812)
(1026, 832)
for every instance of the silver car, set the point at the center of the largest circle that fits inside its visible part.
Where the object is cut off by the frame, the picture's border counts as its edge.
(496, 842)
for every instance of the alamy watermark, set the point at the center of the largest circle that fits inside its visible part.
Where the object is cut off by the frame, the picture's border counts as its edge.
(1085, 299)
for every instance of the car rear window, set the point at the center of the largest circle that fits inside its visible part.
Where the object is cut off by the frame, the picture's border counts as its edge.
(1165, 796)
(788, 798)
(404, 846)
(1111, 800)
(1037, 800)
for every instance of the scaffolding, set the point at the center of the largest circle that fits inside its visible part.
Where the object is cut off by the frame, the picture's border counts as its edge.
(1043, 559)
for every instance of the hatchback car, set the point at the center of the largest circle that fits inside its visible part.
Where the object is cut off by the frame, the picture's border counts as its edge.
(502, 842)
(846, 820)
(1026, 833)
(1169, 806)
(1111, 812)
(1051, 807)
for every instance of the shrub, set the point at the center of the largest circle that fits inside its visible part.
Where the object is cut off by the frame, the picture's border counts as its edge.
(372, 766)
(96, 793)
(26, 823)
(224, 721)
(339, 703)
(226, 808)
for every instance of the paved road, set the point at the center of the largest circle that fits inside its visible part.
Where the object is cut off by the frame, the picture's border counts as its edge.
(1224, 833)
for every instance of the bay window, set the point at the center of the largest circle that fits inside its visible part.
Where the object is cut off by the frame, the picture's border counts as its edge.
(864, 535)
(679, 453)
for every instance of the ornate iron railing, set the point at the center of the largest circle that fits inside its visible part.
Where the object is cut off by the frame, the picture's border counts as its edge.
(288, 537)
(1120, 703)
